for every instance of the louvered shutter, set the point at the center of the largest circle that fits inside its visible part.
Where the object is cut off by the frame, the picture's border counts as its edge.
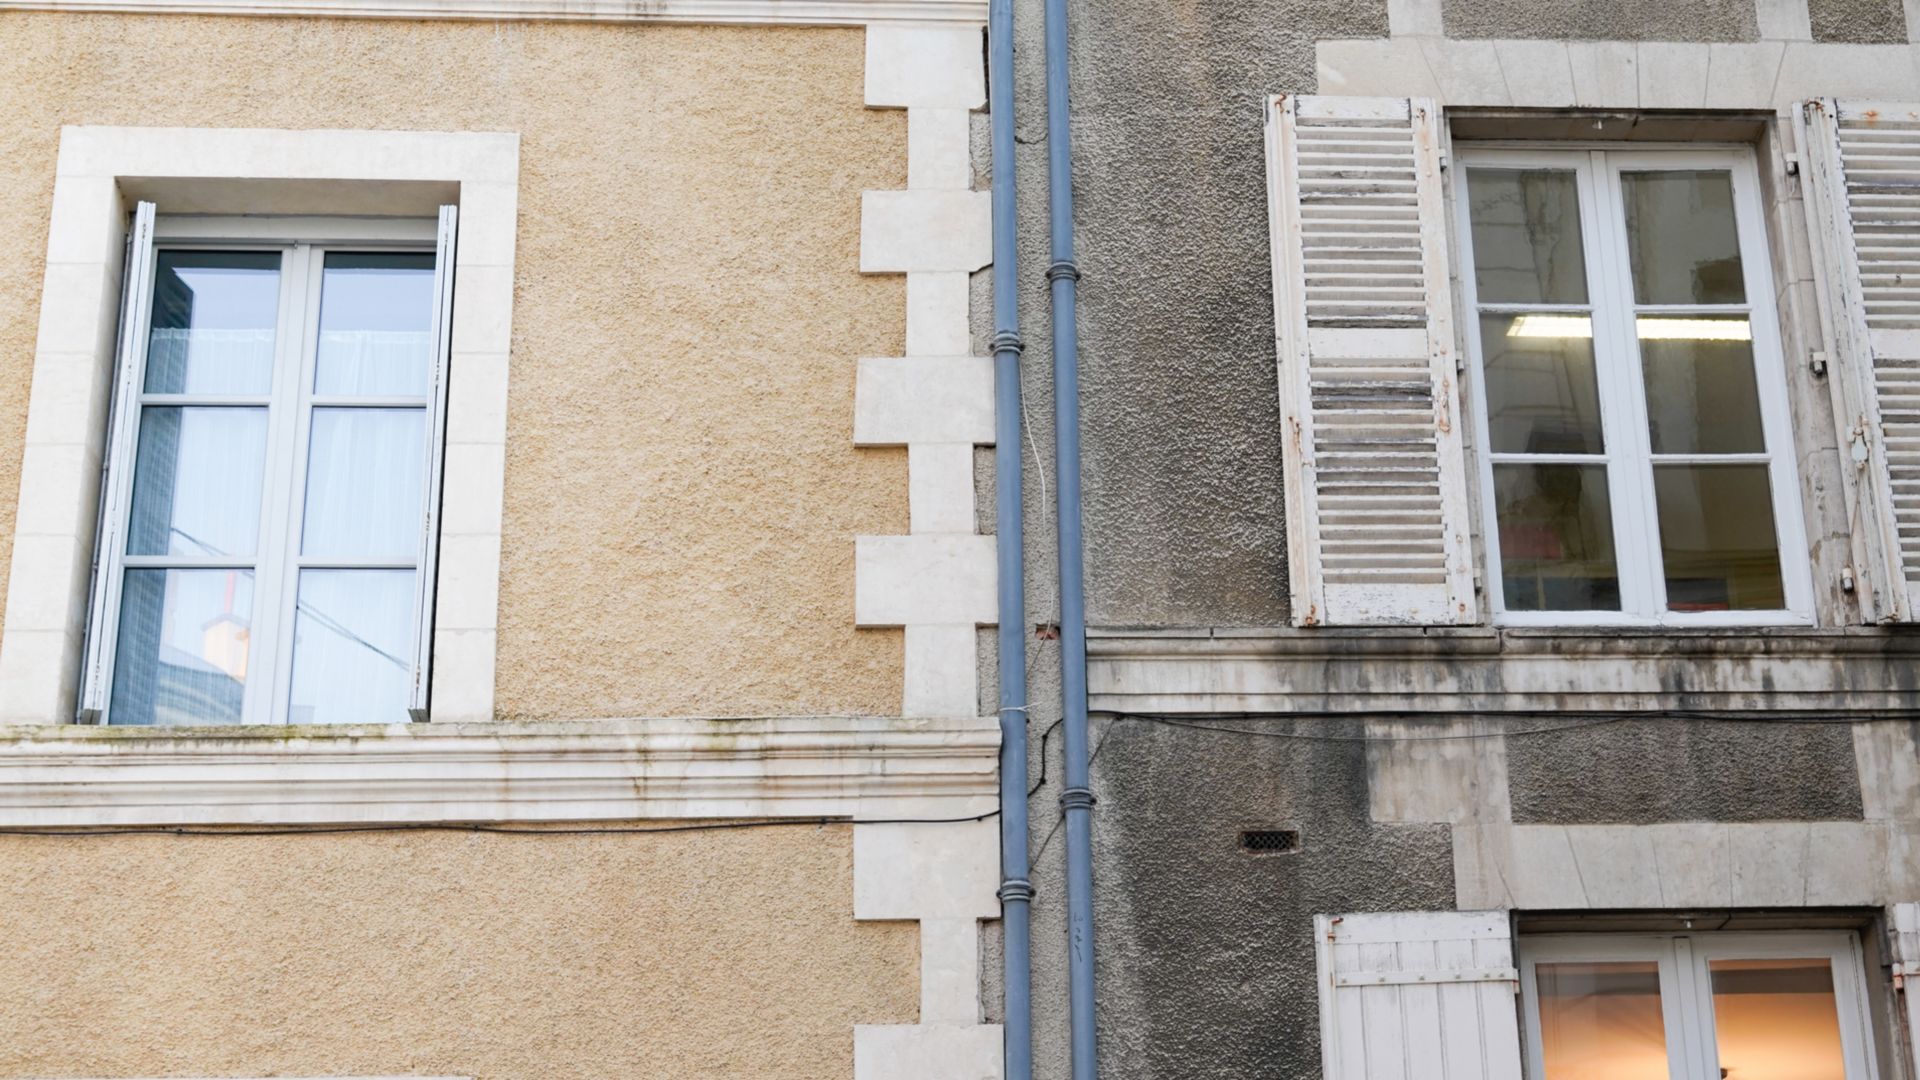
(1906, 972)
(1863, 202)
(1377, 520)
(1418, 995)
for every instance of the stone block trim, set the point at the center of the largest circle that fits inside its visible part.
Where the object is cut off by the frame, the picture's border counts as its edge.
(937, 401)
(939, 581)
(944, 876)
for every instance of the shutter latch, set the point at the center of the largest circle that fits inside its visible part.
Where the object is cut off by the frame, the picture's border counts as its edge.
(1817, 361)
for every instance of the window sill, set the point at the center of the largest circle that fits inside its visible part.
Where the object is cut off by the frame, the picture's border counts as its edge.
(859, 768)
(1863, 671)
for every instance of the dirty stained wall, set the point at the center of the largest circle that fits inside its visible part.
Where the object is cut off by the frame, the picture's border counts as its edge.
(698, 956)
(682, 492)
(1203, 952)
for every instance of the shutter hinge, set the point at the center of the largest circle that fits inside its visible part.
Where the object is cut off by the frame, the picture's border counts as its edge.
(1793, 164)
(1847, 583)
(1817, 361)
(1857, 445)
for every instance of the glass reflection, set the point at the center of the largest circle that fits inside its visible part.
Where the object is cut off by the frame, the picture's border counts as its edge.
(364, 473)
(376, 324)
(350, 645)
(1542, 395)
(1681, 241)
(1717, 538)
(1602, 1021)
(212, 329)
(181, 657)
(1526, 236)
(1702, 397)
(197, 479)
(1777, 1020)
(1556, 537)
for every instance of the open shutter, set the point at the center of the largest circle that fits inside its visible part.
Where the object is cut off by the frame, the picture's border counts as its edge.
(136, 303)
(1863, 204)
(1377, 519)
(1906, 977)
(423, 584)
(1418, 995)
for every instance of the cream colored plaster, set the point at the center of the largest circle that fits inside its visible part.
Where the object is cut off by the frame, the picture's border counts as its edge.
(693, 955)
(681, 495)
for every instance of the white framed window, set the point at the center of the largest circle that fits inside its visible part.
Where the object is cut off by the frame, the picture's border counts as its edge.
(1696, 1006)
(268, 525)
(1634, 450)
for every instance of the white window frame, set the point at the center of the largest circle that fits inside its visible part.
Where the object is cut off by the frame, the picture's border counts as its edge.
(1622, 392)
(302, 244)
(1686, 993)
(100, 173)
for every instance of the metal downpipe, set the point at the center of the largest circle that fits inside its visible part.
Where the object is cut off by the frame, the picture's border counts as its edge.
(1016, 891)
(1076, 800)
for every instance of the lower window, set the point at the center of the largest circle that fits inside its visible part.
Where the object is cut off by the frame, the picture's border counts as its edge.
(1738, 1006)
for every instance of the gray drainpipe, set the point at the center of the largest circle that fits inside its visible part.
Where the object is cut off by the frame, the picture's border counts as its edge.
(1016, 892)
(1076, 799)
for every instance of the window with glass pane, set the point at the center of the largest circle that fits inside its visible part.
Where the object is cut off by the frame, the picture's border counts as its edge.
(1696, 1006)
(280, 458)
(1631, 394)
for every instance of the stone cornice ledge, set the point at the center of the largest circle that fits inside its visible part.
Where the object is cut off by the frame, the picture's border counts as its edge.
(778, 12)
(1860, 671)
(859, 768)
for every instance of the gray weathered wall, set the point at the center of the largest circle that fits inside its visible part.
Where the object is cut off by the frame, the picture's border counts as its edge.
(1204, 952)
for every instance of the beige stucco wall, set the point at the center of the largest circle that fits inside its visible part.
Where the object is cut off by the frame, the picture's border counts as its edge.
(690, 955)
(682, 492)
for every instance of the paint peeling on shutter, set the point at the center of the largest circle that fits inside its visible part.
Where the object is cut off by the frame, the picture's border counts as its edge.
(1377, 521)
(1418, 995)
(1863, 202)
(1906, 975)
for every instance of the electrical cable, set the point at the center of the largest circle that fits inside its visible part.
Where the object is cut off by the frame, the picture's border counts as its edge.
(482, 827)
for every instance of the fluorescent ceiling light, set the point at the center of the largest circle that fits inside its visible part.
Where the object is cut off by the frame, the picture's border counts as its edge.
(1648, 328)
(1652, 329)
(1552, 326)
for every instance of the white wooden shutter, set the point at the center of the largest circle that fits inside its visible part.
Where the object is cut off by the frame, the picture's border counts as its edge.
(1863, 203)
(1418, 995)
(423, 585)
(136, 304)
(1906, 977)
(1377, 519)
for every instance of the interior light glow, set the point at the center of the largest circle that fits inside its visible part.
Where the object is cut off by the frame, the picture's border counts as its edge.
(1551, 326)
(1653, 329)
(1648, 328)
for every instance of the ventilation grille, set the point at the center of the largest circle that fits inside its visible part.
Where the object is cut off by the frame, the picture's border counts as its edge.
(1360, 221)
(1270, 841)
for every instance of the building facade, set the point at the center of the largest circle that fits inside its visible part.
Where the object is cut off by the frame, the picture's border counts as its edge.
(1499, 594)
(470, 532)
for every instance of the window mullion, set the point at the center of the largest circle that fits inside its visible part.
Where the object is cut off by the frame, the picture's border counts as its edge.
(1636, 524)
(269, 628)
(1690, 1014)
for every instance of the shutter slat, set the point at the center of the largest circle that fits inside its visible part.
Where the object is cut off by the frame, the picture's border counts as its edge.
(1426, 995)
(1375, 480)
(1863, 188)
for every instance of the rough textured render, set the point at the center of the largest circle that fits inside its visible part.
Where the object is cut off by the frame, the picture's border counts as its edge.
(1865, 21)
(1613, 20)
(681, 495)
(440, 954)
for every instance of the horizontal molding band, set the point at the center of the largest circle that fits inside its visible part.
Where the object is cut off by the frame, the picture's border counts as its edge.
(859, 768)
(724, 12)
(1862, 671)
